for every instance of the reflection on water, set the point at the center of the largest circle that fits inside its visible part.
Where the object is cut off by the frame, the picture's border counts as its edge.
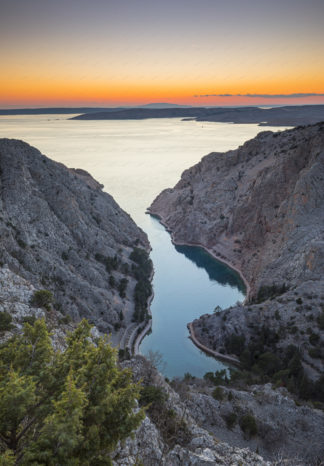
(214, 268)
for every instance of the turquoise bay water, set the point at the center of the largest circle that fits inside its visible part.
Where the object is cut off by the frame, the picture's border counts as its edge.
(135, 160)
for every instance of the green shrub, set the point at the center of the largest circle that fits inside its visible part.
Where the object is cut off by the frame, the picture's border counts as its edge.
(248, 425)
(122, 286)
(152, 394)
(112, 281)
(320, 321)
(269, 292)
(217, 377)
(65, 320)
(29, 319)
(230, 419)
(218, 394)
(314, 338)
(42, 298)
(315, 353)
(235, 344)
(5, 321)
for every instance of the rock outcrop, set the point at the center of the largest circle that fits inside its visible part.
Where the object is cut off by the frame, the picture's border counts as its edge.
(61, 232)
(261, 209)
(282, 427)
(199, 447)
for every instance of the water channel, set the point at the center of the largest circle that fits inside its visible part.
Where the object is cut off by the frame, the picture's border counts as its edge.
(135, 160)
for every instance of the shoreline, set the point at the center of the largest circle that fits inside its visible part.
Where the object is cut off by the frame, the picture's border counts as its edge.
(146, 329)
(210, 252)
(216, 354)
(193, 336)
(138, 340)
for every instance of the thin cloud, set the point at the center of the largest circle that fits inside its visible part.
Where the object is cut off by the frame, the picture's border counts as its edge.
(266, 96)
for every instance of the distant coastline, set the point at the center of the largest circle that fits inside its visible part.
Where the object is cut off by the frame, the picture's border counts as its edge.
(289, 115)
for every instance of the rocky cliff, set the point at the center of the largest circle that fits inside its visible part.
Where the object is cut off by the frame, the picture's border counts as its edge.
(260, 208)
(61, 232)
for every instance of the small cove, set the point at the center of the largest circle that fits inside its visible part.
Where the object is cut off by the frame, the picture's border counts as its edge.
(135, 160)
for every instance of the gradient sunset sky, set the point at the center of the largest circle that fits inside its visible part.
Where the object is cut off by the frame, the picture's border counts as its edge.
(128, 52)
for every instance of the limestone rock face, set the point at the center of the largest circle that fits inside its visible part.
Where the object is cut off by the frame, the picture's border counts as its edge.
(260, 206)
(261, 209)
(282, 426)
(55, 223)
(148, 447)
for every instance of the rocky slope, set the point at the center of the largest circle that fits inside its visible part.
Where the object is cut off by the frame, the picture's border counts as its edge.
(282, 427)
(189, 444)
(56, 227)
(286, 434)
(61, 232)
(260, 208)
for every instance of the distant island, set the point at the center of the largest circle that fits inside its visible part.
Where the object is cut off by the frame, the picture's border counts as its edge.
(290, 115)
(279, 116)
(72, 110)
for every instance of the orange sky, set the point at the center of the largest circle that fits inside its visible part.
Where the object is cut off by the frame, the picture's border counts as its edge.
(136, 52)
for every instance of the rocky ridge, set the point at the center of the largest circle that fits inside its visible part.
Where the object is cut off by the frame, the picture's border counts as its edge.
(260, 208)
(61, 232)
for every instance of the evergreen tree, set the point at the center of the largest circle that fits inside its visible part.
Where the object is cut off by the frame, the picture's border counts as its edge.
(69, 407)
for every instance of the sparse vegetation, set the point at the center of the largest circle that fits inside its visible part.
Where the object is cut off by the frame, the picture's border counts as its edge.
(5, 321)
(122, 286)
(218, 394)
(42, 298)
(248, 425)
(141, 269)
(111, 263)
(269, 292)
(172, 427)
(230, 419)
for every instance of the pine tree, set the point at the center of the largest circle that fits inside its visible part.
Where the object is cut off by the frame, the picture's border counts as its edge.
(69, 407)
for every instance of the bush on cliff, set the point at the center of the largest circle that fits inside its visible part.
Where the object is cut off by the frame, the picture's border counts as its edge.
(68, 407)
(42, 298)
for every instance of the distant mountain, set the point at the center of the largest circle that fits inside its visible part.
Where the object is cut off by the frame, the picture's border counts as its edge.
(164, 105)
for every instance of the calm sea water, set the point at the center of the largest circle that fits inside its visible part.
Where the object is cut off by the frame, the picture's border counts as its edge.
(135, 160)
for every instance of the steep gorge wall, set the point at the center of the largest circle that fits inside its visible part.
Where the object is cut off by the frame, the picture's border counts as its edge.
(261, 209)
(55, 223)
(260, 206)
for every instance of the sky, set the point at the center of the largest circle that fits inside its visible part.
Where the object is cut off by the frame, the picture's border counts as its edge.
(131, 52)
